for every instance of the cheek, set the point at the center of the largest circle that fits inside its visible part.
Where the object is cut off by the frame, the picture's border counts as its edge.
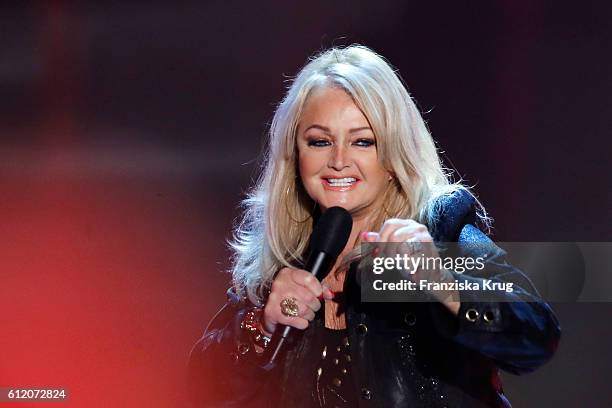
(304, 168)
(309, 165)
(309, 170)
(375, 172)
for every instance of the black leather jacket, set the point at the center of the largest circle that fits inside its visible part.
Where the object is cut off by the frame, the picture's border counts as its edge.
(403, 354)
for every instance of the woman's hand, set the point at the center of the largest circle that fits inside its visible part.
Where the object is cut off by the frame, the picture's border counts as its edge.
(301, 285)
(413, 239)
(408, 232)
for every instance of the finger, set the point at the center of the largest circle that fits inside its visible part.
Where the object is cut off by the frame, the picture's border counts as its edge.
(404, 233)
(297, 322)
(307, 280)
(408, 232)
(327, 294)
(310, 315)
(306, 303)
(273, 314)
(314, 305)
(285, 283)
(307, 299)
(369, 236)
(424, 236)
(389, 228)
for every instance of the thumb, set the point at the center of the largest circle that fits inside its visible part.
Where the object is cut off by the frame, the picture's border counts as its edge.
(327, 292)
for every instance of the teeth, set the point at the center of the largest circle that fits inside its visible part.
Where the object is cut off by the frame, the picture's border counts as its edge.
(341, 182)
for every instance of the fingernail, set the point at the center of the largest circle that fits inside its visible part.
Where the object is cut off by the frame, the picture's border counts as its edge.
(364, 235)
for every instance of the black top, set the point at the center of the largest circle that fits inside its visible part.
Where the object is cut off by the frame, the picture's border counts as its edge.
(402, 354)
(332, 380)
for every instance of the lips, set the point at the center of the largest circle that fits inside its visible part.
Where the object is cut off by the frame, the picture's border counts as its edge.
(340, 183)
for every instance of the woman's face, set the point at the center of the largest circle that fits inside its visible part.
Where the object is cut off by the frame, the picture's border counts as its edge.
(337, 156)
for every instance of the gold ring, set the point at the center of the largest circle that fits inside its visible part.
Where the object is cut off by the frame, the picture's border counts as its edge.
(289, 307)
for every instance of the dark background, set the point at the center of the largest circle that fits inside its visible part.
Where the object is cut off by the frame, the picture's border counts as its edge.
(130, 131)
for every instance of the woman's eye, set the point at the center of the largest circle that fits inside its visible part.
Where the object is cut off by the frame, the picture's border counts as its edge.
(365, 142)
(318, 142)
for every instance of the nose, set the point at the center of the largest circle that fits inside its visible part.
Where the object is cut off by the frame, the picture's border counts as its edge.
(339, 158)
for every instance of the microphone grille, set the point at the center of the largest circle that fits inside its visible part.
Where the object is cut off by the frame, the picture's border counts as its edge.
(332, 232)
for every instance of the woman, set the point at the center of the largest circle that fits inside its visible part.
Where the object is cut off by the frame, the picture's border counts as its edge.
(348, 134)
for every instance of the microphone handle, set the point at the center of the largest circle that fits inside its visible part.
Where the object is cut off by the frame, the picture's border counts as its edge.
(319, 264)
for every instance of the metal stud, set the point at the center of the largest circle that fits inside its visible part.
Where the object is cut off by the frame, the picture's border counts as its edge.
(472, 315)
(410, 319)
(243, 348)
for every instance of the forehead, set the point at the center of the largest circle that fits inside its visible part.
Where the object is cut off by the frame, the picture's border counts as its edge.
(331, 107)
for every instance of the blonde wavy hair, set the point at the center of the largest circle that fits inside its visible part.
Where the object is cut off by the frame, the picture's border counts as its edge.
(277, 213)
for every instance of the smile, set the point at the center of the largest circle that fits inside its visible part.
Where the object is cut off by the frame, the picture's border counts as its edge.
(340, 184)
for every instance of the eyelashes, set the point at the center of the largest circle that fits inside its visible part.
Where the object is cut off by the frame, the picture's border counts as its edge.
(362, 142)
(318, 142)
(365, 142)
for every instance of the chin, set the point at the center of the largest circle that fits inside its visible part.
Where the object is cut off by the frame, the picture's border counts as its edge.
(348, 207)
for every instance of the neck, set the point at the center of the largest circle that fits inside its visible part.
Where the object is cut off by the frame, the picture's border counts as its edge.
(360, 224)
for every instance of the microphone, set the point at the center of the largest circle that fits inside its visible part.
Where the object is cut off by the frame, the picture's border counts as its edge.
(327, 240)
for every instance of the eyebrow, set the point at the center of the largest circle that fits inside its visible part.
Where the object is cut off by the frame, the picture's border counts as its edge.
(328, 132)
